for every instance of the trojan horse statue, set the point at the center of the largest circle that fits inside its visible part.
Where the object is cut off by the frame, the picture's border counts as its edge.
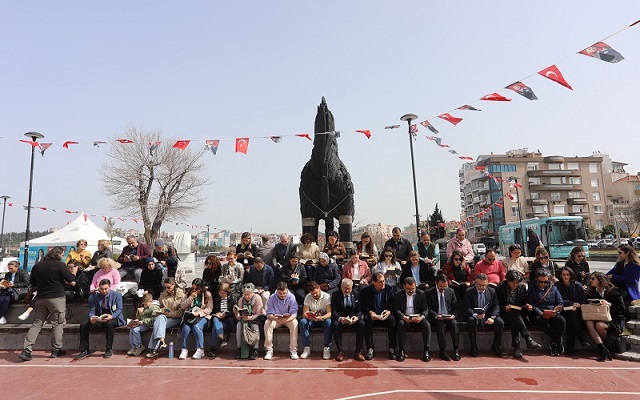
(326, 190)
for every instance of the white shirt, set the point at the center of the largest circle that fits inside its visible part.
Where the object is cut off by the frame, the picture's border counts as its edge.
(410, 309)
(318, 305)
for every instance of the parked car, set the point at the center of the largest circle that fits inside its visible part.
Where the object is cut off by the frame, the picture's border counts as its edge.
(605, 243)
(479, 248)
(624, 240)
(592, 243)
(634, 241)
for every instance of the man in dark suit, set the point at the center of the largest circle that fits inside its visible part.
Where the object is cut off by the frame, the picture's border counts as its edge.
(423, 274)
(483, 308)
(377, 304)
(412, 311)
(345, 312)
(443, 308)
(401, 245)
(107, 304)
(281, 252)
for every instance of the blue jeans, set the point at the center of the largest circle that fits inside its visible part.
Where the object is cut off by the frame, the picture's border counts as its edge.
(198, 334)
(219, 328)
(160, 326)
(135, 337)
(306, 325)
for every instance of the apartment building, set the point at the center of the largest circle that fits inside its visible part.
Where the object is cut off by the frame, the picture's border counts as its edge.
(551, 186)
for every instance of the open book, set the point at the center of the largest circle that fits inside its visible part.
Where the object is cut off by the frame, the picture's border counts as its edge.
(103, 316)
(478, 310)
(549, 313)
(242, 311)
(515, 307)
(569, 308)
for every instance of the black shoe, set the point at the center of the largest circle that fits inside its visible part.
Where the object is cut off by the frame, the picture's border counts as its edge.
(83, 354)
(554, 349)
(517, 353)
(57, 353)
(400, 356)
(426, 357)
(497, 350)
(392, 354)
(253, 354)
(560, 349)
(474, 351)
(25, 355)
(212, 351)
(108, 353)
(444, 356)
(605, 354)
(532, 344)
(369, 355)
(456, 355)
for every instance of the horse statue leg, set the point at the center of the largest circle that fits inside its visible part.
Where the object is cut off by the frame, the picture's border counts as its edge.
(310, 225)
(346, 223)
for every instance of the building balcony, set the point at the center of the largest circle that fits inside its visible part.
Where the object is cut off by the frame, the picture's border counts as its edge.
(484, 189)
(553, 159)
(583, 214)
(537, 202)
(581, 200)
(537, 214)
(555, 187)
(554, 172)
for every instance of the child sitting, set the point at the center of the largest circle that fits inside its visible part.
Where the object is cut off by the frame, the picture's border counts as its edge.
(142, 323)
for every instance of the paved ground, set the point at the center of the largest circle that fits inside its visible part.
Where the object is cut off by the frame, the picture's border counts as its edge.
(485, 377)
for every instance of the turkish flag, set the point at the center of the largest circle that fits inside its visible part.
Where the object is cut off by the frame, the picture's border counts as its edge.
(304, 135)
(181, 144)
(67, 143)
(495, 97)
(33, 143)
(124, 141)
(555, 75)
(242, 144)
(450, 118)
(466, 158)
(366, 132)
(481, 167)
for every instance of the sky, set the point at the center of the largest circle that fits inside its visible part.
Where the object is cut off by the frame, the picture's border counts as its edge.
(87, 71)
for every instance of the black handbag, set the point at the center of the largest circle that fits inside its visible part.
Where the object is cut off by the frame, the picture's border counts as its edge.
(190, 318)
(19, 293)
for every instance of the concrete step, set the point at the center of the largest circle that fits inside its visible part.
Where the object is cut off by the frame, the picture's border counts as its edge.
(633, 340)
(634, 326)
(629, 355)
(634, 310)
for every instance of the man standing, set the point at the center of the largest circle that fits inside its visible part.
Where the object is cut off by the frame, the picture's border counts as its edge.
(412, 311)
(345, 312)
(377, 302)
(429, 253)
(483, 308)
(401, 245)
(262, 277)
(105, 312)
(133, 258)
(282, 309)
(443, 308)
(460, 242)
(49, 276)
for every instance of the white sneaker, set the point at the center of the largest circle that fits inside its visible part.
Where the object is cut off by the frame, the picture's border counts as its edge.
(24, 316)
(268, 355)
(198, 354)
(294, 354)
(306, 352)
(3, 321)
(184, 353)
(131, 350)
(223, 343)
(139, 350)
(326, 353)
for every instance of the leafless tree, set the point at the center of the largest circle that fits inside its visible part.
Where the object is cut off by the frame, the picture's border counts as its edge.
(634, 217)
(150, 179)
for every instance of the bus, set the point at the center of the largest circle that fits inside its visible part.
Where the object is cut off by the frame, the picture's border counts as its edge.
(559, 235)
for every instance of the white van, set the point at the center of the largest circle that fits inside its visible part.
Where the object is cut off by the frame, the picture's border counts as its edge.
(479, 248)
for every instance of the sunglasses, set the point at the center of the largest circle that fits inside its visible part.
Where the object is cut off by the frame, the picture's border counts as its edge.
(544, 257)
(388, 255)
(516, 246)
(457, 259)
(545, 281)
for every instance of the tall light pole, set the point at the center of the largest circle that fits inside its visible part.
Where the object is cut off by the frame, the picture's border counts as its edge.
(208, 240)
(522, 246)
(409, 118)
(34, 138)
(4, 207)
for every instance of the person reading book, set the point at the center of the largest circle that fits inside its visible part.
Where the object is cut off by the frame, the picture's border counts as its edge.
(389, 266)
(545, 296)
(282, 310)
(222, 318)
(345, 313)
(377, 303)
(483, 309)
(412, 310)
(316, 313)
(443, 306)
(143, 322)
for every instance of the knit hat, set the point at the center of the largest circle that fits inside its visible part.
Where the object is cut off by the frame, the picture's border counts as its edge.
(158, 243)
(324, 256)
(149, 260)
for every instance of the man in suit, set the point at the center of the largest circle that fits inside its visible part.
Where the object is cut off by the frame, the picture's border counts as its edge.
(443, 308)
(483, 308)
(412, 311)
(345, 312)
(281, 252)
(377, 302)
(423, 274)
(106, 303)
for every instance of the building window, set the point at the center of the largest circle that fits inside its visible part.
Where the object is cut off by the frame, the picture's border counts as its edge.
(502, 168)
(556, 166)
(574, 180)
(514, 211)
(540, 209)
(556, 196)
(498, 212)
(534, 180)
(595, 196)
(593, 168)
(595, 182)
(575, 195)
(532, 166)
(597, 209)
(558, 209)
(573, 166)
(577, 208)
(534, 195)
(599, 224)
(556, 180)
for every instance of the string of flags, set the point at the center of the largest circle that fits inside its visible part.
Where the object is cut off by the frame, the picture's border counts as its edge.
(104, 217)
(599, 50)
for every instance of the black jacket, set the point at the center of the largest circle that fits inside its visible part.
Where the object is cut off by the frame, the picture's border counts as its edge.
(613, 296)
(21, 280)
(338, 308)
(449, 299)
(151, 281)
(368, 302)
(420, 305)
(572, 294)
(49, 277)
(427, 274)
(402, 248)
(492, 306)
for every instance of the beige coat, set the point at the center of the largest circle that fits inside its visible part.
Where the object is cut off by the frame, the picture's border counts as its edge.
(204, 311)
(172, 302)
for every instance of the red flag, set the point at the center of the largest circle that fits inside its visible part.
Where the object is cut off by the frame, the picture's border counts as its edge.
(444, 145)
(43, 208)
(33, 143)
(104, 218)
(450, 118)
(522, 90)
(67, 143)
(499, 205)
(555, 75)
(69, 212)
(468, 107)
(510, 196)
(366, 132)
(242, 144)
(495, 97)
(135, 220)
(413, 128)
(304, 135)
(466, 158)
(603, 52)
(44, 147)
(518, 185)
(85, 217)
(481, 167)
(124, 141)
(181, 144)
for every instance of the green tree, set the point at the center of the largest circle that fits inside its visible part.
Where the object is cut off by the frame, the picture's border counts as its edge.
(434, 219)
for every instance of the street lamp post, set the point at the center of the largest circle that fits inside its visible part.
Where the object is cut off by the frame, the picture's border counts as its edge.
(34, 138)
(4, 207)
(522, 246)
(409, 118)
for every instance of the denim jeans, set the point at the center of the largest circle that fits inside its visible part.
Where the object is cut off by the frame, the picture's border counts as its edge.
(160, 326)
(219, 328)
(306, 325)
(135, 337)
(198, 334)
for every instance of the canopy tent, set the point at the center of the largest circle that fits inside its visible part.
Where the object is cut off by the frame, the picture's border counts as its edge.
(80, 228)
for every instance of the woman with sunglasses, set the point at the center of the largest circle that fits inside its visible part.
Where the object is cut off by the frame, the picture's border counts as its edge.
(626, 273)
(458, 275)
(516, 262)
(170, 300)
(602, 289)
(547, 304)
(573, 294)
(543, 262)
(103, 252)
(81, 254)
(579, 265)
(389, 267)
(211, 272)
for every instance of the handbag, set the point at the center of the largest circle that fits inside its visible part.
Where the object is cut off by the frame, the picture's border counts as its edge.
(250, 335)
(190, 318)
(19, 293)
(596, 312)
